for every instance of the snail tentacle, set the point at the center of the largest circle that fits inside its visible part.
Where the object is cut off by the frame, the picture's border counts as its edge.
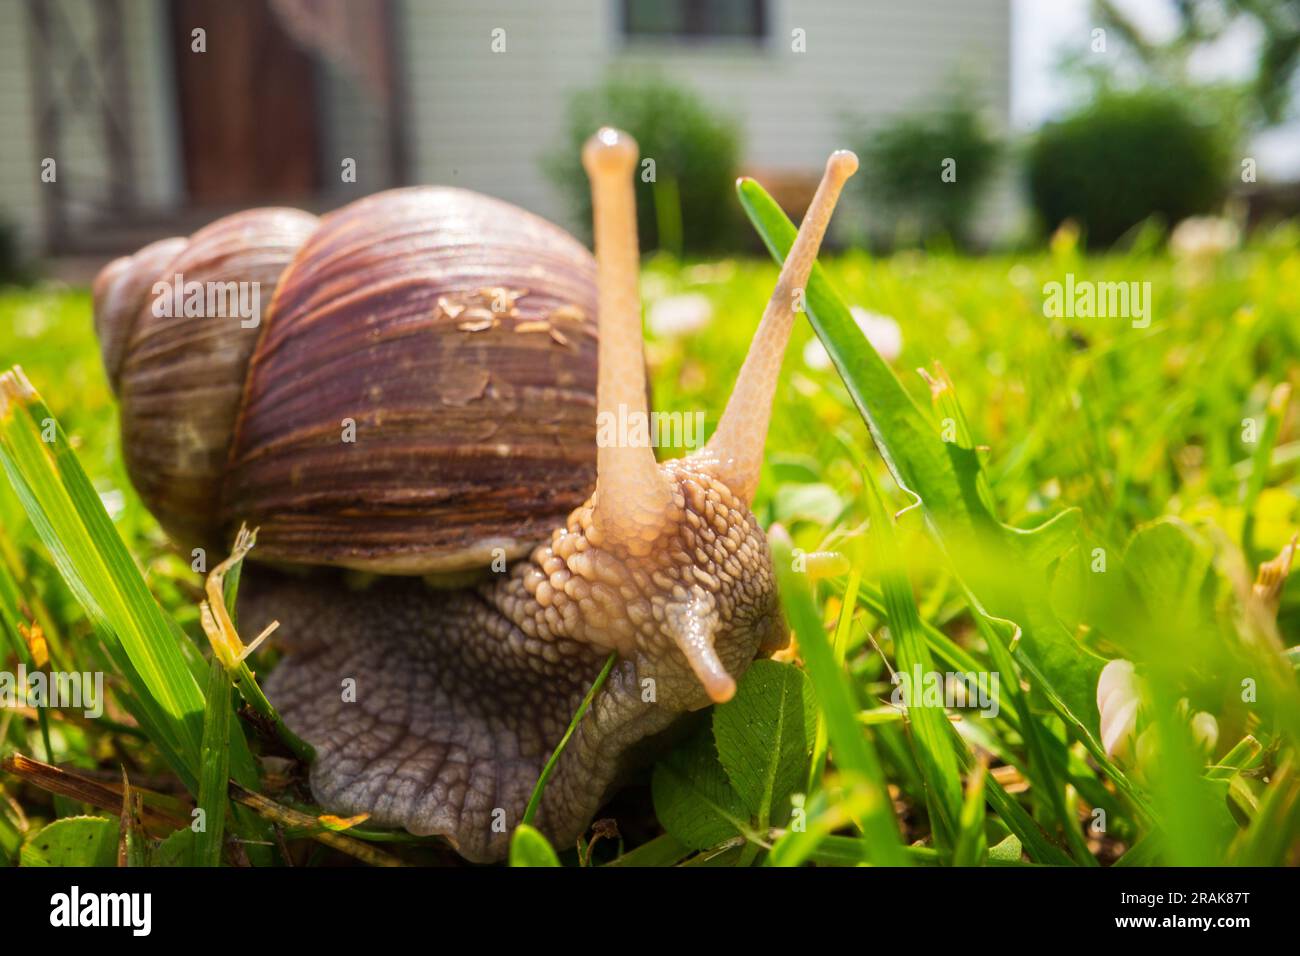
(737, 445)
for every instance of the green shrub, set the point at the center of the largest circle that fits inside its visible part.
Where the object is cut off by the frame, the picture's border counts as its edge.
(1125, 158)
(690, 205)
(14, 267)
(904, 163)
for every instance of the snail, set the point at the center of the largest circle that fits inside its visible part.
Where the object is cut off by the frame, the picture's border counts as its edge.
(458, 335)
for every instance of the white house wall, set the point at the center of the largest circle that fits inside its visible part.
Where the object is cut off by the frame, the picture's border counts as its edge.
(484, 120)
(19, 164)
(81, 161)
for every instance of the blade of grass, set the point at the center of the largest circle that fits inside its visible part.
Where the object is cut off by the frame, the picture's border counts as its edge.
(1245, 754)
(826, 812)
(1036, 844)
(945, 478)
(1041, 770)
(217, 616)
(311, 826)
(1274, 833)
(852, 750)
(1278, 401)
(945, 649)
(70, 519)
(132, 846)
(162, 814)
(209, 839)
(842, 627)
(529, 848)
(972, 846)
(530, 812)
(928, 723)
(12, 620)
(160, 665)
(1146, 852)
(663, 850)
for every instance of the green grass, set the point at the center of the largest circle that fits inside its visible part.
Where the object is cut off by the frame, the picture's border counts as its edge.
(1043, 451)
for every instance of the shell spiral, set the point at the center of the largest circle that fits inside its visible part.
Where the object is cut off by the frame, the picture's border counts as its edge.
(401, 386)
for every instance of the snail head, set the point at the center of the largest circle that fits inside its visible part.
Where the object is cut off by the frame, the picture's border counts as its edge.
(665, 562)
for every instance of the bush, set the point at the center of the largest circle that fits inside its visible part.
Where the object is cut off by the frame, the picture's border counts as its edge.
(1123, 159)
(690, 206)
(904, 164)
(14, 268)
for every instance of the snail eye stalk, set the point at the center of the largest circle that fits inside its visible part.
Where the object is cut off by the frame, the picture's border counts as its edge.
(633, 500)
(737, 446)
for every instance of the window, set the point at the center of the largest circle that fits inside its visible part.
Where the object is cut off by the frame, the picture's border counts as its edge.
(695, 19)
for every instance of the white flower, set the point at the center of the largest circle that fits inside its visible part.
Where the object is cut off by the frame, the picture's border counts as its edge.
(1117, 701)
(114, 502)
(680, 314)
(815, 355)
(881, 331)
(1205, 731)
(1203, 237)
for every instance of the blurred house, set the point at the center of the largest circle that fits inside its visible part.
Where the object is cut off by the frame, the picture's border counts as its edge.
(158, 115)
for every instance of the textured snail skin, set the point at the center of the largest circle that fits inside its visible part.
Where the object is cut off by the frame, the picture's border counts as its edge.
(460, 696)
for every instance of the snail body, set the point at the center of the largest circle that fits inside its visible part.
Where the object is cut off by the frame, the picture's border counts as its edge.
(458, 334)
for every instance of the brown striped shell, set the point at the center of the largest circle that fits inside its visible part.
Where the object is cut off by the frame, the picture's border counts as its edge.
(419, 391)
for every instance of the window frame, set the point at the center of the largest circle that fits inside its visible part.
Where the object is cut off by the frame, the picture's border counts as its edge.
(762, 16)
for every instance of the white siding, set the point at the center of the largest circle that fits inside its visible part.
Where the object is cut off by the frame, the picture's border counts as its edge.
(352, 127)
(82, 161)
(483, 120)
(152, 91)
(19, 164)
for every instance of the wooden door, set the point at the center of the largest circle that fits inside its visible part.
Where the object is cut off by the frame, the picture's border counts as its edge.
(247, 105)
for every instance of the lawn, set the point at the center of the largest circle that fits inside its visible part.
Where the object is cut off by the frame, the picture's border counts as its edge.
(1083, 490)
